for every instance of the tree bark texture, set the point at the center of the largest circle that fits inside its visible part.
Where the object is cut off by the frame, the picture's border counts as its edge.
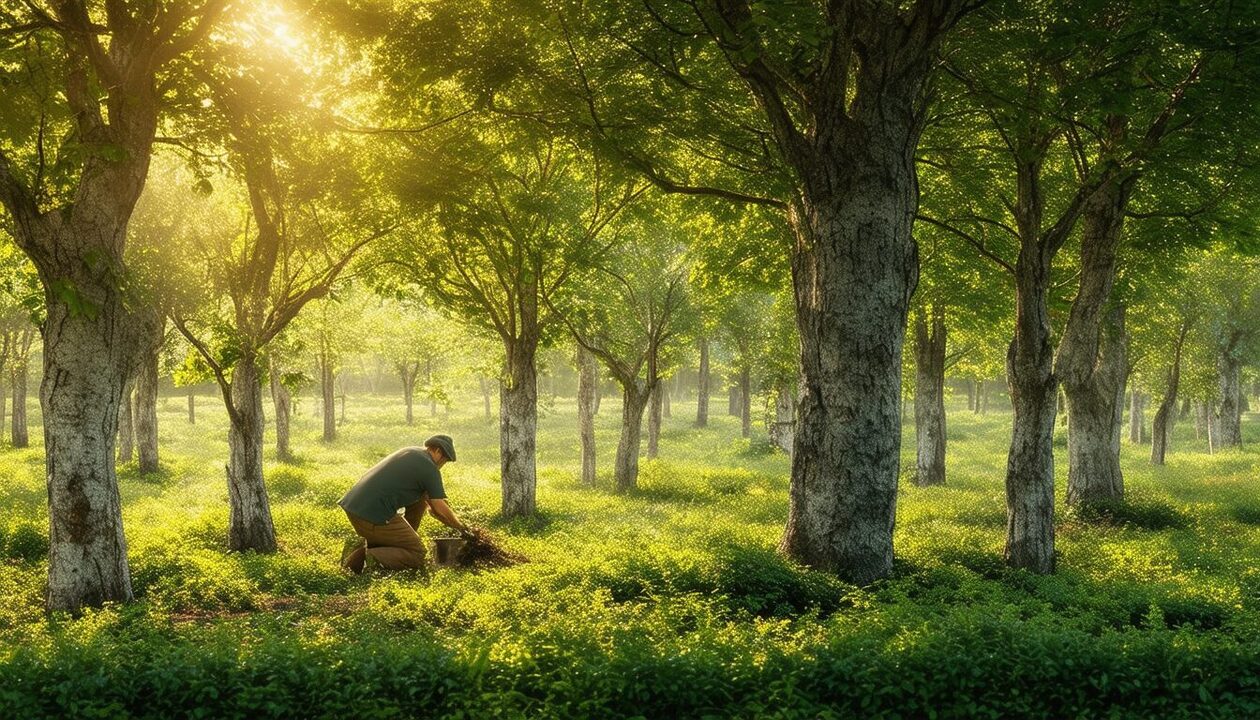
(929, 398)
(654, 422)
(784, 426)
(1229, 414)
(588, 380)
(1166, 415)
(1096, 406)
(518, 428)
(626, 469)
(249, 512)
(1137, 416)
(146, 421)
(702, 385)
(745, 401)
(192, 408)
(329, 400)
(282, 401)
(20, 434)
(126, 424)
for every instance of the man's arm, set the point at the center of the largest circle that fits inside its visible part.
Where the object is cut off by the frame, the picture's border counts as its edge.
(442, 511)
(412, 514)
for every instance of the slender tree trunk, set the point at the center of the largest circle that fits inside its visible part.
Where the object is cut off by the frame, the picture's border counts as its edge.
(784, 427)
(588, 379)
(654, 421)
(1200, 411)
(282, 400)
(1137, 416)
(702, 386)
(329, 401)
(745, 400)
(984, 397)
(626, 470)
(20, 434)
(146, 422)
(1096, 404)
(732, 399)
(249, 512)
(1230, 409)
(1165, 416)
(2, 406)
(126, 424)
(408, 377)
(428, 384)
(518, 428)
(665, 399)
(1185, 409)
(929, 398)
(485, 397)
(192, 407)
(971, 394)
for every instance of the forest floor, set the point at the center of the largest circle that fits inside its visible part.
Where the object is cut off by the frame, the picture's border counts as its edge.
(668, 601)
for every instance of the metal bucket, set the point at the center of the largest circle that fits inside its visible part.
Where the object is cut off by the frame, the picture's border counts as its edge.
(446, 551)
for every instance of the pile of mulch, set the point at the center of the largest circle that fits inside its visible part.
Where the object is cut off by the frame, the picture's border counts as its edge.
(483, 551)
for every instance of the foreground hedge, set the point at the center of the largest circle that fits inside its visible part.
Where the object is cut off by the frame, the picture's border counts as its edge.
(965, 664)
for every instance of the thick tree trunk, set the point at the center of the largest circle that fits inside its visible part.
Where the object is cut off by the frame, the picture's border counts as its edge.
(588, 379)
(329, 401)
(702, 386)
(929, 398)
(20, 435)
(784, 426)
(626, 469)
(854, 268)
(282, 401)
(1096, 405)
(1137, 416)
(1230, 408)
(126, 424)
(518, 428)
(146, 422)
(654, 421)
(87, 360)
(1165, 416)
(249, 512)
(745, 401)
(192, 407)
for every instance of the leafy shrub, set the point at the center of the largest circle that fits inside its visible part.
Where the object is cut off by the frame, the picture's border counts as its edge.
(184, 578)
(286, 481)
(25, 541)
(1140, 513)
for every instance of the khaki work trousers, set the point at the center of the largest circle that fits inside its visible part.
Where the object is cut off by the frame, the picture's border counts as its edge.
(395, 545)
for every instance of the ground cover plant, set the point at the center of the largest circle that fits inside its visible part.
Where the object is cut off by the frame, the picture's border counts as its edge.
(668, 601)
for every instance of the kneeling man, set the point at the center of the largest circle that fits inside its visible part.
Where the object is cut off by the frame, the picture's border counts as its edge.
(410, 478)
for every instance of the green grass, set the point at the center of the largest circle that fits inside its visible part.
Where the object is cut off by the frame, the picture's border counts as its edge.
(668, 601)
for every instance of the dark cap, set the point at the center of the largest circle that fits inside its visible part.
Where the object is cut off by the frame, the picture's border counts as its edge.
(443, 443)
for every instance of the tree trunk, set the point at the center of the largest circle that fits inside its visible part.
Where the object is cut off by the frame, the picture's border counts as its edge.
(2, 407)
(408, 377)
(485, 397)
(929, 398)
(329, 401)
(249, 512)
(588, 379)
(971, 395)
(626, 472)
(732, 399)
(146, 422)
(1096, 404)
(1185, 409)
(984, 397)
(20, 435)
(428, 385)
(88, 358)
(745, 401)
(1137, 417)
(702, 385)
(192, 407)
(784, 427)
(282, 400)
(1230, 408)
(518, 428)
(854, 268)
(1165, 416)
(654, 421)
(666, 401)
(126, 424)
